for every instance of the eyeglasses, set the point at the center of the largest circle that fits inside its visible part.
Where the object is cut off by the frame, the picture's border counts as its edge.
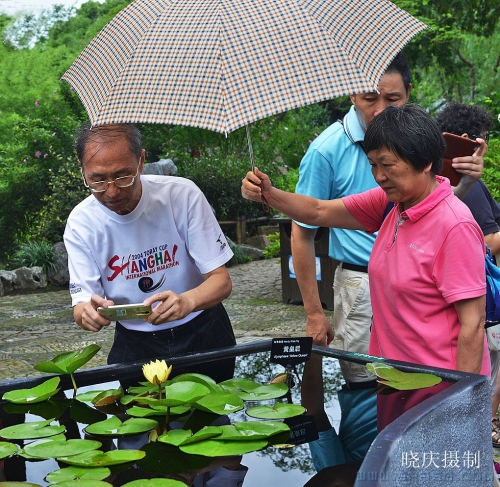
(102, 186)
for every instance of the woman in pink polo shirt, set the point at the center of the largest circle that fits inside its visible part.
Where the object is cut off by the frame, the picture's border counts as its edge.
(427, 280)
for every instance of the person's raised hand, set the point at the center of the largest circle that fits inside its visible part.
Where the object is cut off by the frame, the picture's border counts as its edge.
(472, 166)
(171, 307)
(255, 185)
(91, 320)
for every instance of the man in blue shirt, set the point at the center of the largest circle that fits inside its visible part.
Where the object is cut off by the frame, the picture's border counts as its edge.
(334, 166)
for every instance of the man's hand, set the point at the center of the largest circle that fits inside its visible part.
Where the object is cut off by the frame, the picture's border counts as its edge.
(86, 314)
(319, 328)
(171, 307)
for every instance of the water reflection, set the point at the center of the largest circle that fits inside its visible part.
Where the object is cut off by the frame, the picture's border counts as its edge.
(270, 466)
(267, 467)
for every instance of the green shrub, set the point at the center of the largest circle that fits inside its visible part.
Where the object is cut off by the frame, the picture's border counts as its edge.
(219, 178)
(491, 172)
(273, 249)
(34, 253)
(66, 191)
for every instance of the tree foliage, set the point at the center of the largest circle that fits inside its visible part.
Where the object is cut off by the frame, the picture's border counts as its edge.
(456, 59)
(448, 51)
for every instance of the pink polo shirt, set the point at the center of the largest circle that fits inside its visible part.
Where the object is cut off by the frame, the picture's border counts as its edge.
(435, 258)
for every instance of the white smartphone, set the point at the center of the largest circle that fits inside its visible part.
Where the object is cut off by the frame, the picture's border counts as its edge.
(122, 312)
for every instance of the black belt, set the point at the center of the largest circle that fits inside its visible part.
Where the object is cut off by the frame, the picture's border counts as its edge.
(354, 267)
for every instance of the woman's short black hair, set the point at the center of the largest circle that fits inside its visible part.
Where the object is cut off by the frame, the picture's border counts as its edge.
(410, 133)
(106, 134)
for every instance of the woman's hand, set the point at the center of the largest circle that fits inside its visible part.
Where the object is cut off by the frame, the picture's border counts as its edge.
(255, 186)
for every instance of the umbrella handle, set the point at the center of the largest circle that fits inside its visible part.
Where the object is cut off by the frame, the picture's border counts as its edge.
(265, 206)
(250, 150)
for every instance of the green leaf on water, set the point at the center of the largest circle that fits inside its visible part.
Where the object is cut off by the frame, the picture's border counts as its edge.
(68, 362)
(85, 483)
(13, 483)
(200, 378)
(178, 394)
(114, 427)
(219, 403)
(31, 430)
(175, 437)
(36, 394)
(155, 483)
(69, 474)
(57, 448)
(248, 390)
(403, 381)
(278, 411)
(98, 458)
(7, 449)
(218, 448)
(153, 410)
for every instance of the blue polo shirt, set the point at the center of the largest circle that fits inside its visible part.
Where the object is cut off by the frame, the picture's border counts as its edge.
(334, 166)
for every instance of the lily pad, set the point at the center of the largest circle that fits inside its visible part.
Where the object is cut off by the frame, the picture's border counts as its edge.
(179, 394)
(98, 458)
(144, 388)
(218, 448)
(70, 474)
(58, 448)
(68, 362)
(175, 437)
(85, 483)
(204, 434)
(248, 390)
(200, 378)
(140, 412)
(13, 483)
(219, 403)
(278, 411)
(87, 396)
(114, 427)
(31, 430)
(252, 430)
(7, 449)
(403, 381)
(155, 483)
(35, 394)
(24, 454)
(105, 398)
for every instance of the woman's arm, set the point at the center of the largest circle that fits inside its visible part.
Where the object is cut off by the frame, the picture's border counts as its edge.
(323, 213)
(471, 314)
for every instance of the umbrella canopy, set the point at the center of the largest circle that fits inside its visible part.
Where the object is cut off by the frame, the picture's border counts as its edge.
(222, 64)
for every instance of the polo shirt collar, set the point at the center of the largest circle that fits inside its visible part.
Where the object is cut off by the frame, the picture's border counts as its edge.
(352, 127)
(427, 204)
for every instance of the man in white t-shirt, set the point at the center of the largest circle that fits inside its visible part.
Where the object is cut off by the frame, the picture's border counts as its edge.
(152, 240)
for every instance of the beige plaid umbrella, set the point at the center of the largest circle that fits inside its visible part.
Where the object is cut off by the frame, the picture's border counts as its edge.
(222, 64)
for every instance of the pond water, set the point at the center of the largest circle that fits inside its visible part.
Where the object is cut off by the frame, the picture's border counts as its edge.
(271, 466)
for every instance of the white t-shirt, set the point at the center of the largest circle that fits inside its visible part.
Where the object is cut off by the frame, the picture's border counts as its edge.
(166, 243)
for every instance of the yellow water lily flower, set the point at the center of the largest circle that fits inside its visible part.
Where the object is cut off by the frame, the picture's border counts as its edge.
(156, 372)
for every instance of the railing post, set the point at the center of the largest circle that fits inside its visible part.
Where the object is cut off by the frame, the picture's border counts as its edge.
(241, 229)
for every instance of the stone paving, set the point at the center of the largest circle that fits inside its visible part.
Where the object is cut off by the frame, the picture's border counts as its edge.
(38, 326)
